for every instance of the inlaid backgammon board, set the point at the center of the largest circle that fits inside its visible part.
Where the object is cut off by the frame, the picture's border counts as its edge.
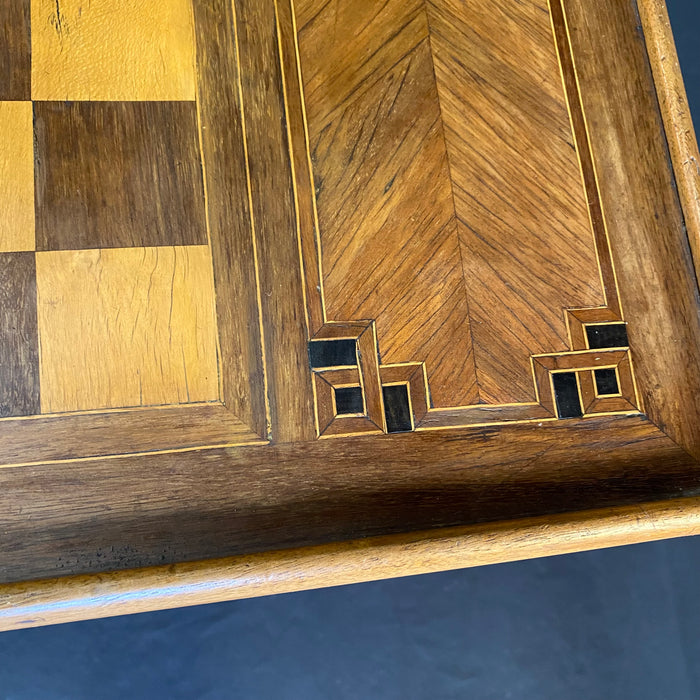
(306, 292)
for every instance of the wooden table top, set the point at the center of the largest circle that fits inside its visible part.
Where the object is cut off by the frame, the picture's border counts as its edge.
(281, 275)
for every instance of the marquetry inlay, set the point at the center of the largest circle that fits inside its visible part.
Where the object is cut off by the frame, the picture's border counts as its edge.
(110, 323)
(419, 242)
(452, 201)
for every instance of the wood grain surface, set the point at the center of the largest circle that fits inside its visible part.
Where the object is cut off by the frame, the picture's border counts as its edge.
(385, 209)
(482, 191)
(382, 259)
(117, 174)
(55, 601)
(305, 200)
(612, 310)
(16, 177)
(478, 187)
(290, 394)
(197, 505)
(111, 434)
(658, 288)
(675, 112)
(112, 50)
(15, 50)
(517, 186)
(145, 321)
(229, 215)
(19, 367)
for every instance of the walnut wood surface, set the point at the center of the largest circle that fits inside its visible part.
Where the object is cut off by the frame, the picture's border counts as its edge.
(385, 216)
(19, 369)
(77, 436)
(480, 188)
(658, 287)
(84, 150)
(519, 200)
(195, 505)
(285, 335)
(226, 179)
(676, 114)
(472, 205)
(15, 50)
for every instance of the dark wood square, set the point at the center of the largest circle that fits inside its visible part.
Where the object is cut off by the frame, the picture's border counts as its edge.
(19, 343)
(15, 50)
(332, 353)
(117, 175)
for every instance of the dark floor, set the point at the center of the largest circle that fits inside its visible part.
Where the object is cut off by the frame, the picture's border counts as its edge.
(620, 624)
(685, 19)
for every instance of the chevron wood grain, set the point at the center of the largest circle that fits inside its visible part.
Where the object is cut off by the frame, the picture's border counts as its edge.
(464, 155)
(388, 231)
(517, 185)
(359, 41)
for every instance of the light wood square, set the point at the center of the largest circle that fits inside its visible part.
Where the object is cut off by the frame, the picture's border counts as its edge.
(16, 177)
(112, 50)
(126, 327)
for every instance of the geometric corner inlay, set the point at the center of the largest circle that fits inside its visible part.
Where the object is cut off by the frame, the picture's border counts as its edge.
(599, 362)
(593, 378)
(348, 375)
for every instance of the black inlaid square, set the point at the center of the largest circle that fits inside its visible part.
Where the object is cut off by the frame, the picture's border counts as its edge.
(332, 353)
(566, 395)
(607, 335)
(348, 399)
(397, 408)
(606, 382)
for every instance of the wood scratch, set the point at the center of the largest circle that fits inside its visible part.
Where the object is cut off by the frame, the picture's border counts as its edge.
(58, 22)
